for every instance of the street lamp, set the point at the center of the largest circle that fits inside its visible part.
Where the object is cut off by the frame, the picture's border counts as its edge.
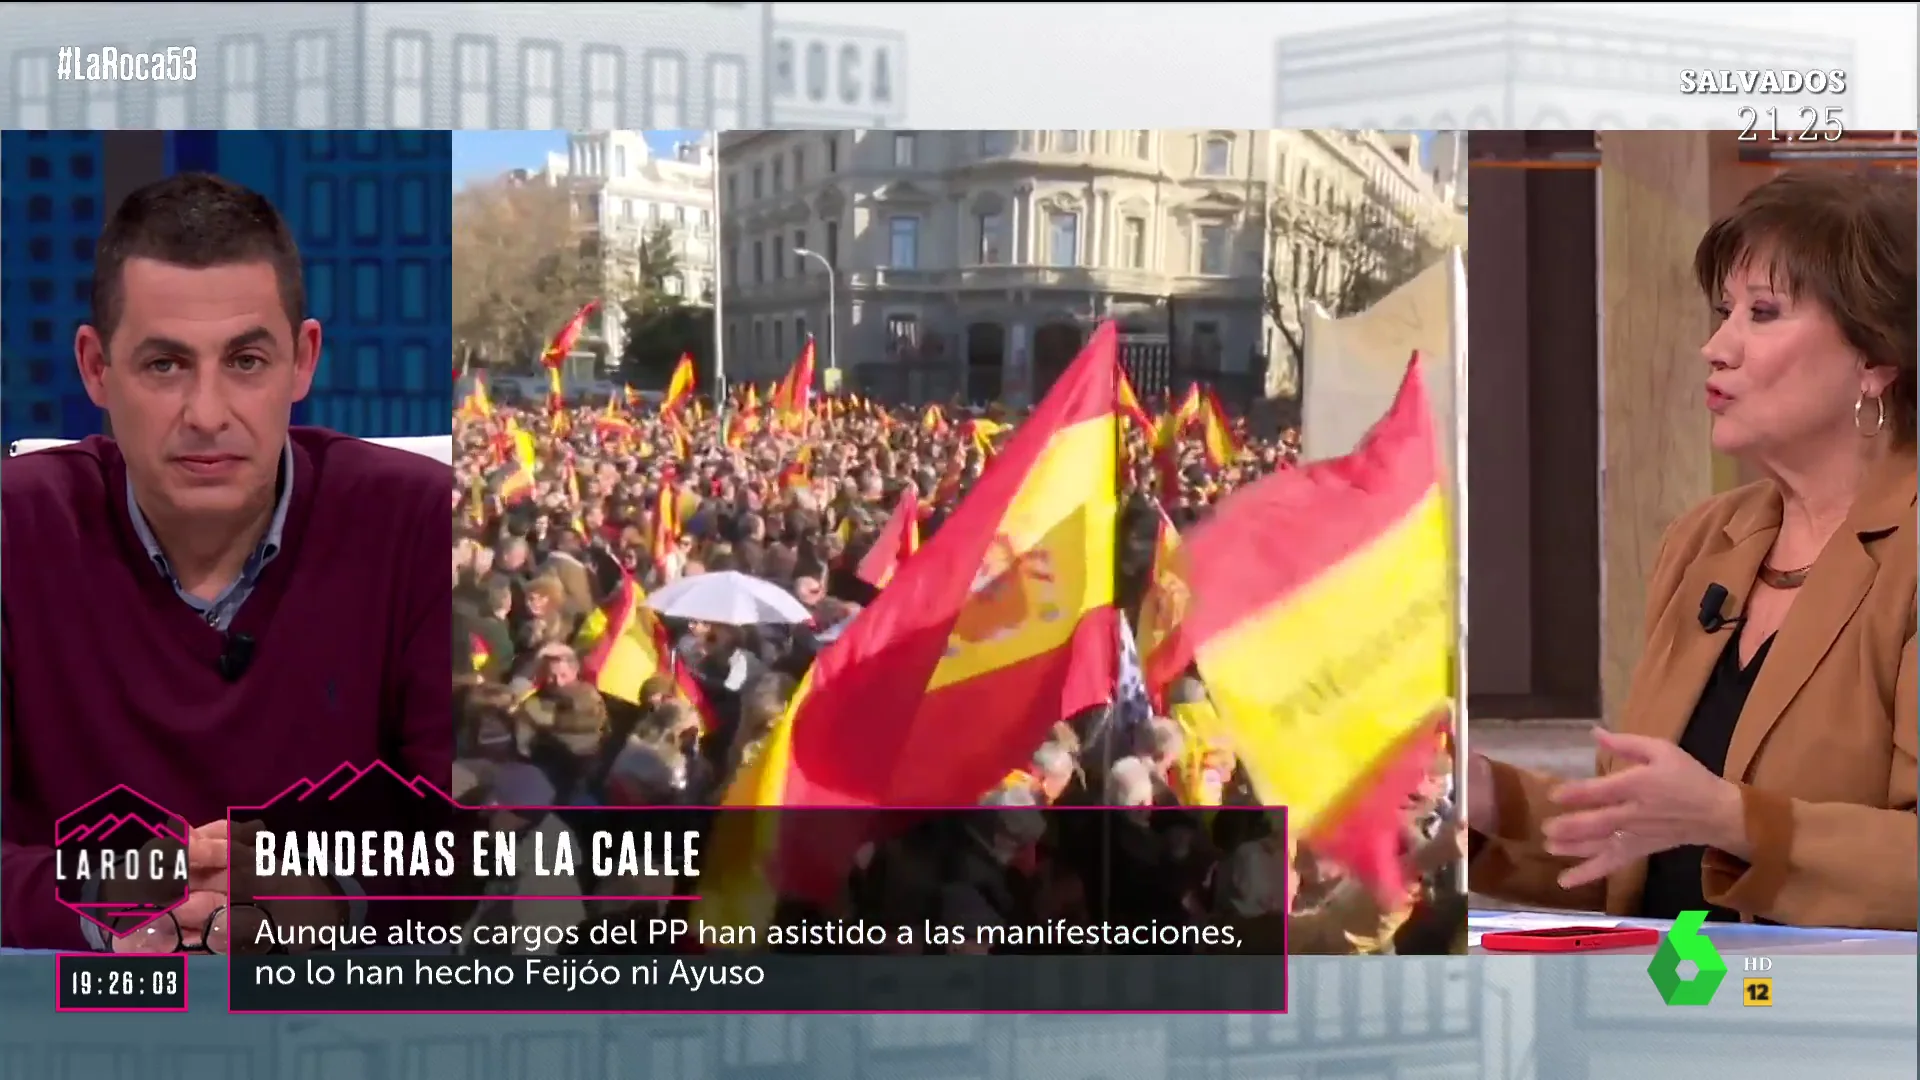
(833, 310)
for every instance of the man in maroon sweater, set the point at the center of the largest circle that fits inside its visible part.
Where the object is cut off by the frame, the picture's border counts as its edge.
(210, 605)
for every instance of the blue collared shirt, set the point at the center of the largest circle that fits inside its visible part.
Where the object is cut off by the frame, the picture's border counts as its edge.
(220, 610)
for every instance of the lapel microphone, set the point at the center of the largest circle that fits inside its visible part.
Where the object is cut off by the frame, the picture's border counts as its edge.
(1712, 601)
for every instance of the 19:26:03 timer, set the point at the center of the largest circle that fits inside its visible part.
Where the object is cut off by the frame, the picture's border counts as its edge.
(1806, 124)
(118, 983)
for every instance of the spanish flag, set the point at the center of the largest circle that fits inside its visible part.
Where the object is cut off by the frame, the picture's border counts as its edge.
(793, 397)
(623, 644)
(1000, 627)
(1163, 657)
(620, 643)
(797, 475)
(1216, 432)
(747, 839)
(562, 344)
(1321, 615)
(897, 540)
(477, 407)
(1130, 405)
(666, 524)
(680, 387)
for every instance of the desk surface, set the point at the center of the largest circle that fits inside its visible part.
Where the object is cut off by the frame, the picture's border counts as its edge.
(1736, 939)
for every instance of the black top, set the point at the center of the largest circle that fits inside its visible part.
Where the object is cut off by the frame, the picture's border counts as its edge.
(1673, 877)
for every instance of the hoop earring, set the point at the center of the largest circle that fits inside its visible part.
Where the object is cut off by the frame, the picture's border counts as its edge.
(1879, 419)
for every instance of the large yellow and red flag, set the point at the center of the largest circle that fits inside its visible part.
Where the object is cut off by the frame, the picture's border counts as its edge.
(999, 627)
(562, 344)
(680, 387)
(1321, 615)
(899, 538)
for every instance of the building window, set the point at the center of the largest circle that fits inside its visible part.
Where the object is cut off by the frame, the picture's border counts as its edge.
(833, 153)
(680, 1055)
(33, 91)
(666, 92)
(785, 86)
(991, 250)
(366, 292)
(759, 261)
(833, 243)
(1239, 1031)
(779, 258)
(540, 86)
(921, 1032)
(726, 93)
(903, 243)
(407, 80)
(903, 334)
(779, 175)
(1133, 233)
(319, 224)
(365, 221)
(1216, 156)
(620, 167)
(1066, 142)
(411, 215)
(994, 143)
(733, 190)
(1456, 997)
(413, 291)
(1214, 255)
(312, 81)
(759, 341)
(606, 88)
(1063, 238)
(1143, 145)
(903, 151)
(759, 183)
(240, 83)
(473, 83)
(1205, 347)
(779, 337)
(170, 112)
(103, 104)
(799, 166)
(799, 245)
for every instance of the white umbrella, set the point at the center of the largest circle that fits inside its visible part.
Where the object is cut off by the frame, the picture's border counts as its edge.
(728, 598)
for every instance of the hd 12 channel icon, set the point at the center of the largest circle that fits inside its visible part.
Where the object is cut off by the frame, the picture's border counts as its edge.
(120, 982)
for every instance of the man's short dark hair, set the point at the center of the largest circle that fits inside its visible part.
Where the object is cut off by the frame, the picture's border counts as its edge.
(195, 220)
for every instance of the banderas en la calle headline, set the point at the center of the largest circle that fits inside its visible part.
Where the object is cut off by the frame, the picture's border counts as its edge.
(492, 854)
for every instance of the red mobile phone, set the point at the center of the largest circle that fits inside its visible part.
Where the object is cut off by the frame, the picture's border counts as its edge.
(1570, 939)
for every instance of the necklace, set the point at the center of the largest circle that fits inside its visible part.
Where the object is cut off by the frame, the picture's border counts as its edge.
(1783, 579)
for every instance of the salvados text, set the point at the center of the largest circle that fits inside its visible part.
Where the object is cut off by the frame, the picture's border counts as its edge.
(396, 853)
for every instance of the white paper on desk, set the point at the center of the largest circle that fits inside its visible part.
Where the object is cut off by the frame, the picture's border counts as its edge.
(1479, 926)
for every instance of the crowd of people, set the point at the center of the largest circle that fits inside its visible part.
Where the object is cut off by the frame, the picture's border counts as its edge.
(562, 509)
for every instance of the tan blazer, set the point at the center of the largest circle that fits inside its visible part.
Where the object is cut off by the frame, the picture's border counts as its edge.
(1824, 750)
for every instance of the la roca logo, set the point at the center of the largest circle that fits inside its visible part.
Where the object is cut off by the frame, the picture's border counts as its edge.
(120, 861)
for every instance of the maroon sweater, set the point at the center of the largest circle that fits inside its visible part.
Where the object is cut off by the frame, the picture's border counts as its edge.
(111, 678)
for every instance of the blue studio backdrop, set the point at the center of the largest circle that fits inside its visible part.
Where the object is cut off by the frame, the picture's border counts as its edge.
(370, 210)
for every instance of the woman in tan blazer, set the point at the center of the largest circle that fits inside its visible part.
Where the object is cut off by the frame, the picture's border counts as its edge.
(1764, 769)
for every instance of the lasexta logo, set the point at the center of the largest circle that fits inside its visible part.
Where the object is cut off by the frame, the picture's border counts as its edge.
(120, 861)
(1684, 942)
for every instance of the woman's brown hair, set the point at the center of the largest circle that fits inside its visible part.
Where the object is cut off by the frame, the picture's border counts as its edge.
(1843, 238)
